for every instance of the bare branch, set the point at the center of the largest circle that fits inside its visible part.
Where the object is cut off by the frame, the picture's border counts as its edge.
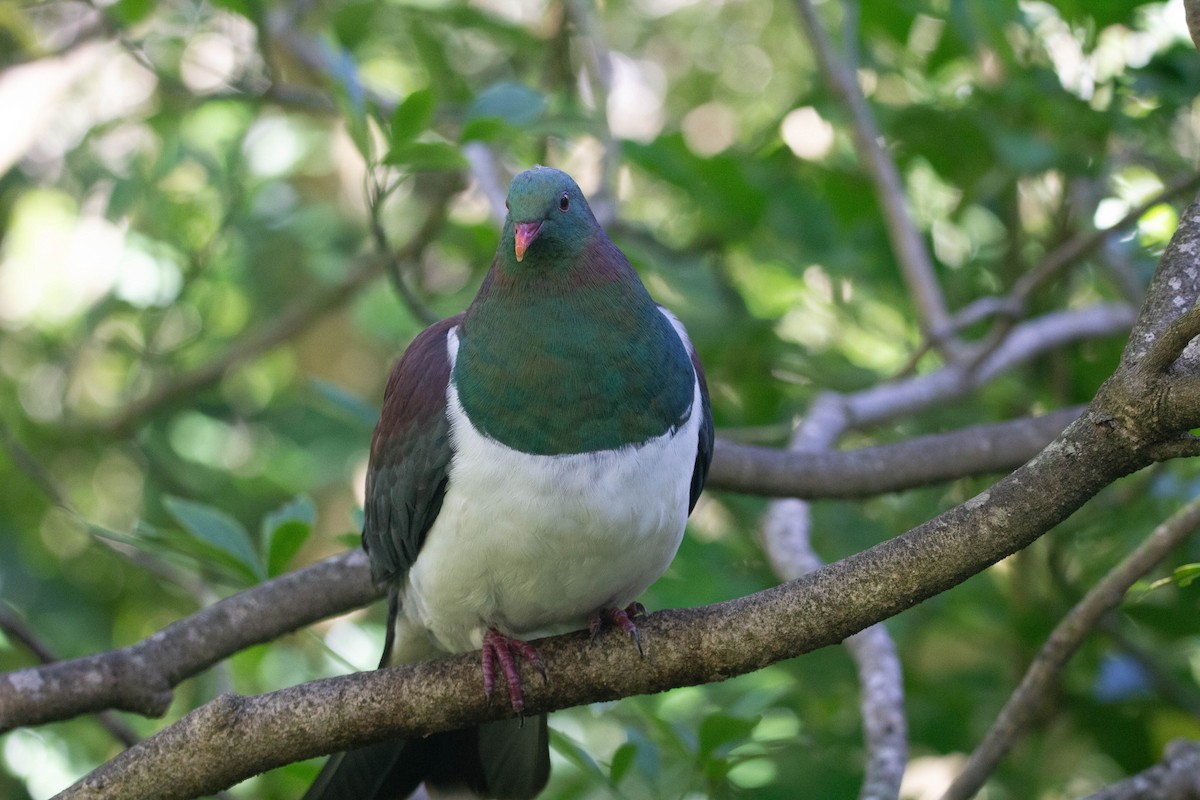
(871, 471)
(1191, 10)
(400, 264)
(140, 677)
(1173, 290)
(916, 265)
(1042, 676)
(885, 727)
(1176, 777)
(1060, 258)
(787, 543)
(16, 630)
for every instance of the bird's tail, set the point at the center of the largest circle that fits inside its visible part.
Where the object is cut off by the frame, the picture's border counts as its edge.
(503, 759)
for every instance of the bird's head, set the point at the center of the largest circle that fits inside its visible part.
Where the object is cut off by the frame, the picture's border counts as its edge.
(547, 216)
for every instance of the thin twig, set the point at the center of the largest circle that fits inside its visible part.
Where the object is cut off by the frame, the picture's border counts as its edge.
(916, 264)
(1008, 308)
(401, 263)
(1065, 640)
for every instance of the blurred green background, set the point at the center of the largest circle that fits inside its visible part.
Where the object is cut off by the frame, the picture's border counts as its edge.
(202, 189)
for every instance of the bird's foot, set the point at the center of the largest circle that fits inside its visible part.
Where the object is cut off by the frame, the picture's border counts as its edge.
(504, 649)
(622, 618)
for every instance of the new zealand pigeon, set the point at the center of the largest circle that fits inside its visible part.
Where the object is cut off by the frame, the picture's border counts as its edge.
(532, 471)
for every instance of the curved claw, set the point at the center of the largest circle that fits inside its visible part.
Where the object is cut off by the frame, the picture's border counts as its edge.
(622, 618)
(498, 647)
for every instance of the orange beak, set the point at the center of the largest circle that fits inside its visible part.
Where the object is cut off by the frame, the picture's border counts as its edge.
(526, 232)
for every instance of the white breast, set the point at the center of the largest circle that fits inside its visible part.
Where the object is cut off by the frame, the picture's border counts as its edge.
(532, 545)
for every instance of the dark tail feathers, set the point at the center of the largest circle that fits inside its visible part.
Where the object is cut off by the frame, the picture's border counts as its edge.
(502, 759)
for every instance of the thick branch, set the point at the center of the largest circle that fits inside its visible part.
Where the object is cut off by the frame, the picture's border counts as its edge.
(140, 677)
(1042, 676)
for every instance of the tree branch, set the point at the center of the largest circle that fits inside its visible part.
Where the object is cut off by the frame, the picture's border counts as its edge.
(140, 677)
(15, 629)
(1042, 676)
(1176, 777)
(787, 543)
(871, 471)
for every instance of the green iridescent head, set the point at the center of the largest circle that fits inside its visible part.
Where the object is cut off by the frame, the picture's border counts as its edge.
(548, 217)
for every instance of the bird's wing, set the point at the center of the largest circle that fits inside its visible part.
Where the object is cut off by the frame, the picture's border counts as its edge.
(410, 457)
(704, 448)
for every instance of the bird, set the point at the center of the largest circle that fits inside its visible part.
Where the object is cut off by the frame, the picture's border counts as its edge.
(532, 471)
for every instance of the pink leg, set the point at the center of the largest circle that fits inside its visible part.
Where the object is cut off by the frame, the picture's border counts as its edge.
(498, 647)
(622, 618)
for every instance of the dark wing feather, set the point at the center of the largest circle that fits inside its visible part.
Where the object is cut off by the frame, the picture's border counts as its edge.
(410, 456)
(704, 449)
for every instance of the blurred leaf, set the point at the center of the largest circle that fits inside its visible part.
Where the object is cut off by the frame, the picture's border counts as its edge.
(129, 12)
(247, 8)
(216, 528)
(285, 530)
(719, 730)
(345, 404)
(622, 759)
(412, 116)
(484, 129)
(426, 156)
(351, 540)
(569, 749)
(353, 22)
(1183, 576)
(514, 103)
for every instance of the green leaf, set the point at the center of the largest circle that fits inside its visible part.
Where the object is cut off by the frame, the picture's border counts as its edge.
(128, 12)
(426, 156)
(350, 539)
(484, 129)
(515, 103)
(412, 116)
(719, 729)
(285, 530)
(1186, 574)
(622, 760)
(572, 751)
(345, 404)
(217, 529)
(354, 22)
(247, 8)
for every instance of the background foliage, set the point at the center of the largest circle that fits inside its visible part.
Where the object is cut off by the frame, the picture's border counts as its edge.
(181, 181)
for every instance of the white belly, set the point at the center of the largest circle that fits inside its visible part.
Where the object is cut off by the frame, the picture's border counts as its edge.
(532, 545)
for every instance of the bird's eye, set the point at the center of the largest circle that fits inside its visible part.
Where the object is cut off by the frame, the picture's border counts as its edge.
(564, 202)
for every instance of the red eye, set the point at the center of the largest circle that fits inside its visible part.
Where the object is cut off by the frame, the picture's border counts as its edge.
(564, 202)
